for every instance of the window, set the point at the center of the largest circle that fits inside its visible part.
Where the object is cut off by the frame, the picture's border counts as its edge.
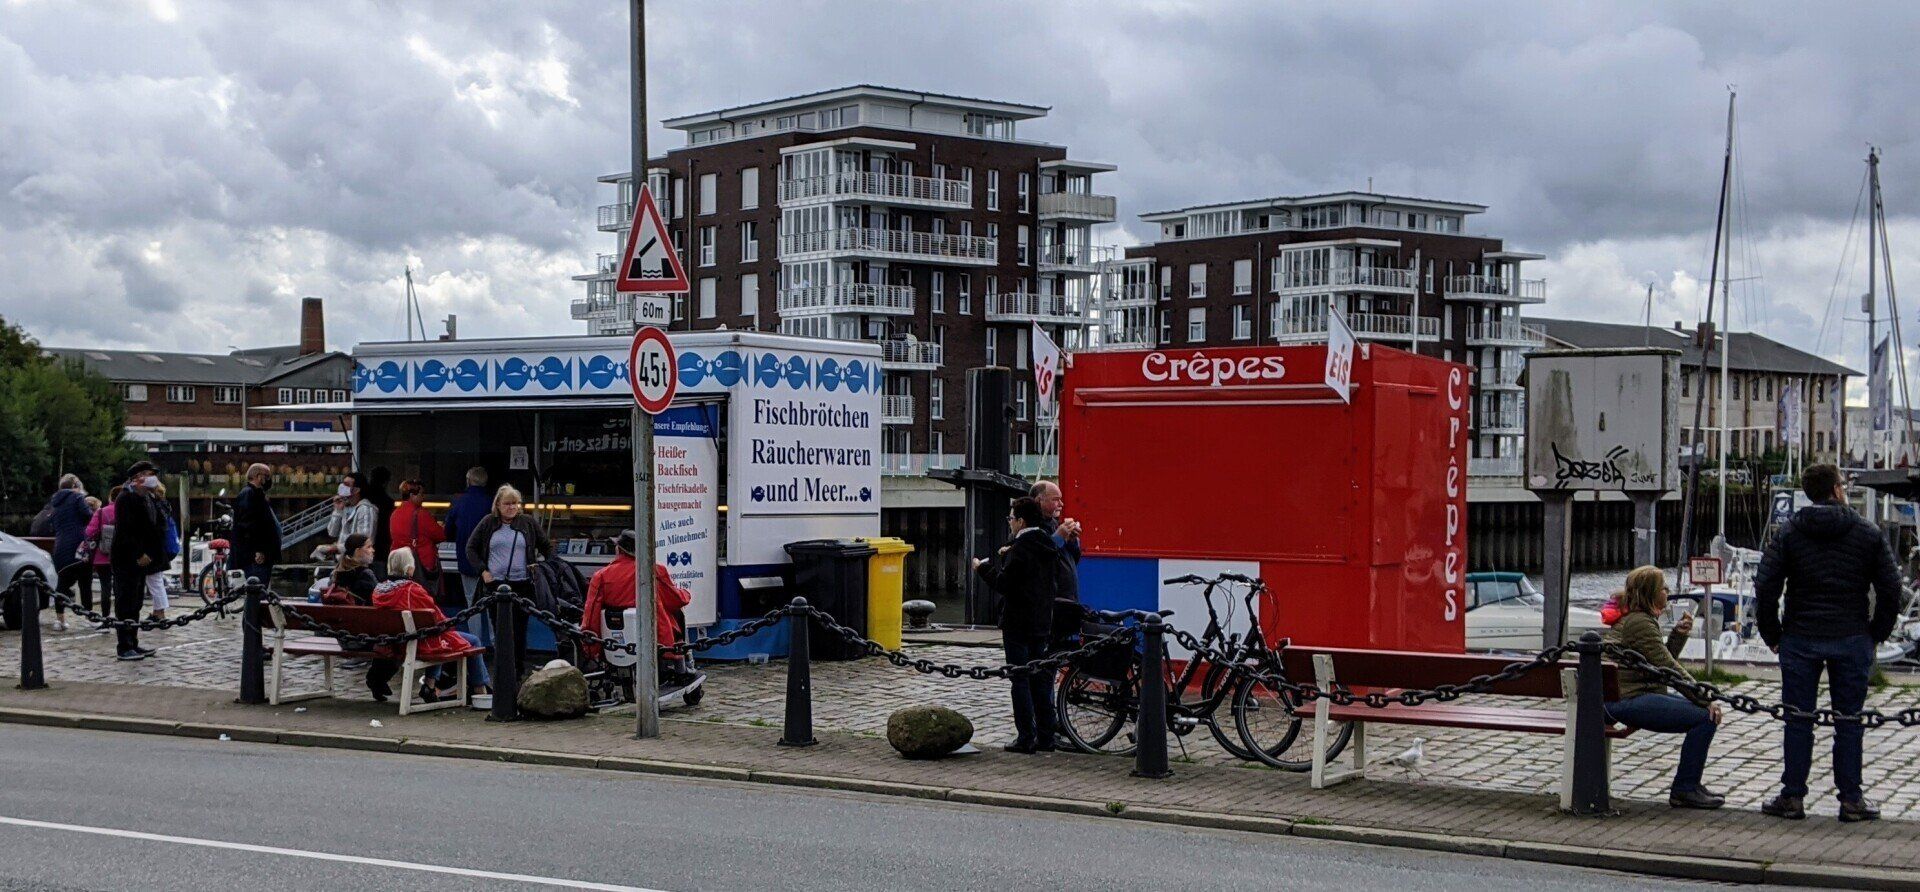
(709, 193)
(750, 295)
(1020, 402)
(708, 292)
(1686, 383)
(1196, 325)
(339, 396)
(1021, 244)
(679, 308)
(939, 292)
(1025, 187)
(1242, 322)
(134, 393)
(1197, 280)
(1166, 327)
(993, 239)
(679, 198)
(966, 294)
(749, 188)
(226, 396)
(749, 242)
(1243, 277)
(993, 190)
(993, 346)
(1819, 391)
(1020, 347)
(707, 238)
(937, 444)
(1769, 388)
(966, 229)
(303, 396)
(936, 400)
(1166, 283)
(286, 395)
(182, 393)
(939, 171)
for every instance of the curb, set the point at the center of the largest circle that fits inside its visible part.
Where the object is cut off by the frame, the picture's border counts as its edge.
(1677, 866)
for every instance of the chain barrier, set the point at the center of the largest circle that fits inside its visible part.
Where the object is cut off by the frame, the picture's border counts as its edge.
(576, 631)
(67, 603)
(1704, 692)
(369, 642)
(1048, 665)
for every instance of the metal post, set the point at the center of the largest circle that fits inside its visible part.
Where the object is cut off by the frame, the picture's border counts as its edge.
(26, 592)
(1150, 751)
(1646, 542)
(799, 725)
(507, 636)
(1558, 531)
(646, 666)
(1590, 793)
(989, 448)
(253, 676)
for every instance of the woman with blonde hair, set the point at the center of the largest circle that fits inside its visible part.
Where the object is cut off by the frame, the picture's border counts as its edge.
(1644, 702)
(508, 543)
(402, 592)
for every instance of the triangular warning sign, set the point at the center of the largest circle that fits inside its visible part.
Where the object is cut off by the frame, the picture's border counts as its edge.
(649, 262)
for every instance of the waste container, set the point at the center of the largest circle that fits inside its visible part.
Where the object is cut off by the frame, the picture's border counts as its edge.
(886, 580)
(832, 575)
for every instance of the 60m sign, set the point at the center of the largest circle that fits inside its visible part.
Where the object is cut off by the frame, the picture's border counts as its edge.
(651, 370)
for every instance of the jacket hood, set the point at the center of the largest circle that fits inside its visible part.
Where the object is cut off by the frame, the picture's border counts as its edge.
(1824, 522)
(1610, 612)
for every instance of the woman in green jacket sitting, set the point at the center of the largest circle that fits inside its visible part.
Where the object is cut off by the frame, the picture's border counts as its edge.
(1644, 702)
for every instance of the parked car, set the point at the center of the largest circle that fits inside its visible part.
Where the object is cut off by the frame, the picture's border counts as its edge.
(1505, 612)
(16, 556)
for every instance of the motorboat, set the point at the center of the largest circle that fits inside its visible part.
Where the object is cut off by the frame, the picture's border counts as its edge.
(1505, 612)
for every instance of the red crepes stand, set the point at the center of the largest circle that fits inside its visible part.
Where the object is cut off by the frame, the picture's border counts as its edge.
(1353, 510)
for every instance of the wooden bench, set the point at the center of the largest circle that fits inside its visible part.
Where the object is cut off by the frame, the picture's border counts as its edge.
(284, 625)
(1394, 670)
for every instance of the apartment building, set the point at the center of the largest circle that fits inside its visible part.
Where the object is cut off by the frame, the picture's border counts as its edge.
(1405, 272)
(920, 221)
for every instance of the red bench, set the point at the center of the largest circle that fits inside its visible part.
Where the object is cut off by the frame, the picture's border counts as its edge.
(284, 625)
(1394, 670)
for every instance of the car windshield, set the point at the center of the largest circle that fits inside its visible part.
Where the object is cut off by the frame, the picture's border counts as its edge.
(1508, 592)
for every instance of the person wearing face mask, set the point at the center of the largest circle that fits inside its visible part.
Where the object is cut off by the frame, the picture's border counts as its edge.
(352, 513)
(256, 529)
(139, 547)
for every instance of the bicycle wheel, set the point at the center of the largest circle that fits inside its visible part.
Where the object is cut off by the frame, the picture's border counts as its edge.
(1270, 729)
(208, 586)
(1216, 677)
(1097, 714)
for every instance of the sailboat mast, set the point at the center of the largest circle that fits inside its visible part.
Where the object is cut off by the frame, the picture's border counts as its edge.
(1697, 447)
(1872, 301)
(1726, 332)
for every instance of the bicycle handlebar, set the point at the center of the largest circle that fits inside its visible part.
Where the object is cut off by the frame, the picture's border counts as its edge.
(1188, 579)
(1235, 577)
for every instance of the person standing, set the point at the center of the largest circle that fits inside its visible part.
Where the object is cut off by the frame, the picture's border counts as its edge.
(505, 546)
(1024, 574)
(1843, 597)
(256, 529)
(1053, 505)
(463, 517)
(139, 542)
(100, 534)
(170, 549)
(352, 513)
(375, 491)
(1065, 531)
(413, 527)
(68, 516)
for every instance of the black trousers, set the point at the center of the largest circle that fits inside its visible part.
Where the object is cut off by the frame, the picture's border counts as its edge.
(1032, 694)
(129, 592)
(77, 572)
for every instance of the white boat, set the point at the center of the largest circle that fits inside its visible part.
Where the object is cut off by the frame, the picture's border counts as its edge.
(1506, 612)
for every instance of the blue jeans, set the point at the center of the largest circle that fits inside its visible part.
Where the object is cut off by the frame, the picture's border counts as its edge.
(481, 623)
(476, 666)
(1668, 714)
(1032, 694)
(1847, 662)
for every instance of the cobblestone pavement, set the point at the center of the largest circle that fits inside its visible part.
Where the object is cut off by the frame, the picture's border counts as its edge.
(858, 696)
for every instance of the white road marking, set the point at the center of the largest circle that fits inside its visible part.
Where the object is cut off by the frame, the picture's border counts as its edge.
(323, 856)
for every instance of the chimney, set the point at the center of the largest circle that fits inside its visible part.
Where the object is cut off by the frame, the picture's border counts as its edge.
(313, 327)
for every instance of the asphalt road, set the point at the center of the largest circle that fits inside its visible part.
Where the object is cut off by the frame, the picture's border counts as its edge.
(98, 810)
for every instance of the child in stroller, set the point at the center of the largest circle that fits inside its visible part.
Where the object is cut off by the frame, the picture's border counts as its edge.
(609, 596)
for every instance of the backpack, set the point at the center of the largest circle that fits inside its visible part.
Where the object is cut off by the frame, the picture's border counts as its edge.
(43, 522)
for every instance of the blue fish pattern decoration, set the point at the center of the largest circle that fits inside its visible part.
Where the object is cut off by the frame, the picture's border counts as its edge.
(362, 377)
(513, 374)
(602, 372)
(554, 373)
(390, 376)
(826, 374)
(855, 376)
(431, 375)
(796, 372)
(766, 370)
(469, 374)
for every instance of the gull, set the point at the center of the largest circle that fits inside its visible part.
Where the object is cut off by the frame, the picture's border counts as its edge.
(1414, 760)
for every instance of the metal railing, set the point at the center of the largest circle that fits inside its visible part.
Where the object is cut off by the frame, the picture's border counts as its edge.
(605, 262)
(896, 409)
(1525, 291)
(1352, 278)
(1494, 466)
(892, 243)
(1028, 306)
(916, 464)
(1505, 333)
(884, 187)
(1364, 325)
(616, 216)
(1073, 257)
(1078, 205)
(847, 297)
(1140, 294)
(1501, 377)
(902, 353)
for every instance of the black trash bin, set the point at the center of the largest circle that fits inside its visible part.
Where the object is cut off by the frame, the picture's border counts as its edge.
(832, 575)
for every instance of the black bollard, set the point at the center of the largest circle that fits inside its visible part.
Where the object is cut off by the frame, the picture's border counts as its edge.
(1150, 752)
(799, 726)
(506, 658)
(26, 592)
(1590, 793)
(253, 658)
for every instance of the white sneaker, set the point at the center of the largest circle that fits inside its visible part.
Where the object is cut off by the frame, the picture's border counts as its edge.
(59, 624)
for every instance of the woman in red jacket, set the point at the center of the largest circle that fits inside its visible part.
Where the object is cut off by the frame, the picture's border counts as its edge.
(612, 587)
(401, 592)
(412, 526)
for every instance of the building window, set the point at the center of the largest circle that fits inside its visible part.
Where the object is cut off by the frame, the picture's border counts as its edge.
(1242, 322)
(1819, 391)
(708, 292)
(1020, 347)
(679, 198)
(181, 393)
(993, 239)
(936, 400)
(134, 393)
(1686, 383)
(1197, 280)
(303, 396)
(226, 396)
(1020, 403)
(939, 292)
(749, 241)
(937, 444)
(709, 193)
(1021, 245)
(966, 294)
(750, 295)
(749, 188)
(339, 396)
(286, 395)
(1166, 327)
(1196, 325)
(1025, 186)
(1166, 283)
(993, 346)
(1243, 277)
(707, 239)
(993, 190)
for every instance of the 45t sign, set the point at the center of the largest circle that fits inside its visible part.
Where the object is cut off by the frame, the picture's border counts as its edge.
(652, 370)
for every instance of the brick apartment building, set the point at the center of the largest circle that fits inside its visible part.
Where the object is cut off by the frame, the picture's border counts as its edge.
(916, 220)
(1404, 271)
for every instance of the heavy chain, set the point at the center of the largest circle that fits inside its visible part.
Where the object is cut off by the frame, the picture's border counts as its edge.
(1046, 665)
(578, 632)
(363, 641)
(1704, 692)
(145, 625)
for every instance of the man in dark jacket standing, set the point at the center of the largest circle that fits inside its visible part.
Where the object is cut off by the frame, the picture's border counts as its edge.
(1827, 558)
(1024, 575)
(1066, 537)
(463, 517)
(139, 550)
(256, 531)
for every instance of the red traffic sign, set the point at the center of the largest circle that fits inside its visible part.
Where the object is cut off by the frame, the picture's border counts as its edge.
(649, 263)
(1706, 571)
(652, 370)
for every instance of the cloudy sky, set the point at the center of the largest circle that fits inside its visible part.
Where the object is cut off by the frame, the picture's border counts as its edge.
(177, 173)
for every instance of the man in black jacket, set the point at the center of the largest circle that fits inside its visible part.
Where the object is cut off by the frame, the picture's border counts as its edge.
(256, 531)
(1024, 575)
(139, 550)
(1826, 558)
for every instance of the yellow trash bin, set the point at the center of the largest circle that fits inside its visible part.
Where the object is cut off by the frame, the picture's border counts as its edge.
(886, 580)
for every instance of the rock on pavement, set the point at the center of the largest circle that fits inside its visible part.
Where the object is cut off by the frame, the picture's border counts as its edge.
(928, 732)
(556, 691)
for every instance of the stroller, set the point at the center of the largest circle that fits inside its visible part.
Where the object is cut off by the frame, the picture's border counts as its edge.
(610, 672)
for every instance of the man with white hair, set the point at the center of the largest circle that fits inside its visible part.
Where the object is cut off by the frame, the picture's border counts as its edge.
(256, 529)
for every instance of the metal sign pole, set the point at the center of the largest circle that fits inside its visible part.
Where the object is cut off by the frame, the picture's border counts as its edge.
(646, 667)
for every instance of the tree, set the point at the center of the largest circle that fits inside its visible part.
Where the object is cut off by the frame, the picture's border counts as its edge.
(55, 418)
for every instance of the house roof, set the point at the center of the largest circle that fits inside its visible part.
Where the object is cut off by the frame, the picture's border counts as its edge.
(244, 367)
(1747, 352)
(1015, 110)
(1320, 198)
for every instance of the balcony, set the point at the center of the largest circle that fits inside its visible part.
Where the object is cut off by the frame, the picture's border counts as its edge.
(1073, 258)
(1495, 288)
(1371, 280)
(1128, 337)
(917, 464)
(1500, 379)
(1026, 306)
(1080, 206)
(878, 188)
(1494, 466)
(900, 354)
(847, 297)
(615, 216)
(1033, 466)
(888, 244)
(896, 409)
(1366, 327)
(1505, 334)
(1506, 422)
(1124, 297)
(603, 308)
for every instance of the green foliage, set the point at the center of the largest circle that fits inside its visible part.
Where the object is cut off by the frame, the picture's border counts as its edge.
(55, 418)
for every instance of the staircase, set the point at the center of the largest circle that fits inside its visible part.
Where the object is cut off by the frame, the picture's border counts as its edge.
(305, 525)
